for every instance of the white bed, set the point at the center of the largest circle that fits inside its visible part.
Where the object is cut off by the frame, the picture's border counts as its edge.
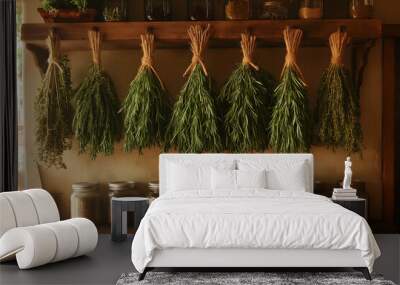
(281, 224)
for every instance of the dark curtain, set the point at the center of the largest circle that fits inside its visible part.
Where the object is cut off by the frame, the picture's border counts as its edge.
(397, 137)
(8, 97)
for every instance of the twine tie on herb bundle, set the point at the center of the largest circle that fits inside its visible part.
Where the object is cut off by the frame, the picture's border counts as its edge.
(198, 42)
(54, 51)
(248, 45)
(95, 45)
(53, 44)
(338, 42)
(292, 39)
(147, 59)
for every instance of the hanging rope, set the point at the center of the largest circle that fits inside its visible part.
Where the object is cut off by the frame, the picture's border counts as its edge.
(198, 42)
(292, 39)
(95, 45)
(338, 42)
(147, 59)
(248, 45)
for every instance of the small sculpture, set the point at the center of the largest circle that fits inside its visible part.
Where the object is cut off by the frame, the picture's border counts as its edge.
(347, 174)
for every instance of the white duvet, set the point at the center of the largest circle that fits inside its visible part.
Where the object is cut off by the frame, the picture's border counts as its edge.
(250, 219)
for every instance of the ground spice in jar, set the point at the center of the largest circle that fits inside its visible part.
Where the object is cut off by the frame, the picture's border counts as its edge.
(311, 9)
(274, 10)
(310, 13)
(237, 9)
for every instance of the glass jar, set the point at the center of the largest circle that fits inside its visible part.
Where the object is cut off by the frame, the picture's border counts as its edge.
(153, 189)
(274, 9)
(115, 10)
(237, 9)
(200, 10)
(361, 9)
(311, 9)
(157, 10)
(86, 202)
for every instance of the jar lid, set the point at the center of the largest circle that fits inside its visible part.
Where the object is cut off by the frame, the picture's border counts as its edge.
(83, 186)
(153, 185)
(119, 185)
(131, 183)
(272, 3)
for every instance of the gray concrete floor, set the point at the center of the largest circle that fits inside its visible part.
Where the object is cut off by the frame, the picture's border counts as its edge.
(389, 263)
(110, 260)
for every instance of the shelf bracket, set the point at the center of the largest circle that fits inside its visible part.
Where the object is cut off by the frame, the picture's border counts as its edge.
(360, 62)
(40, 55)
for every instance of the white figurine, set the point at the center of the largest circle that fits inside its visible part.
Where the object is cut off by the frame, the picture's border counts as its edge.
(347, 174)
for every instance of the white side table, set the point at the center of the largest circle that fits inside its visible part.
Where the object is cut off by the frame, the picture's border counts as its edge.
(119, 208)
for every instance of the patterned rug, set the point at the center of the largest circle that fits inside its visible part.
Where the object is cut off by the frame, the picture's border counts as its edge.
(253, 278)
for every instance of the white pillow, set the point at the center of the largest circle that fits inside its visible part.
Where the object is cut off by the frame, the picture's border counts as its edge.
(186, 175)
(182, 178)
(223, 179)
(291, 175)
(251, 178)
(226, 179)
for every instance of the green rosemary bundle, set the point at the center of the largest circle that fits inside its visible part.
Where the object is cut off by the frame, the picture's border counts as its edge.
(338, 107)
(53, 108)
(97, 124)
(146, 108)
(247, 97)
(290, 122)
(193, 126)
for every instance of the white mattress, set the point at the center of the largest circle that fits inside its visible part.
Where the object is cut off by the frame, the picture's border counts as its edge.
(250, 219)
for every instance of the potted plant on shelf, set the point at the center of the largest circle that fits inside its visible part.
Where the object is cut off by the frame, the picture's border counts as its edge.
(67, 11)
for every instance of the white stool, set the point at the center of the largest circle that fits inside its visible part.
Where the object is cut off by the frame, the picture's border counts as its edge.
(31, 231)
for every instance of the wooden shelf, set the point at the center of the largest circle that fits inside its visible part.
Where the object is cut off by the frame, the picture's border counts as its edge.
(122, 35)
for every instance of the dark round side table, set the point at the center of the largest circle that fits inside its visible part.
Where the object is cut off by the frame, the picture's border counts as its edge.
(119, 208)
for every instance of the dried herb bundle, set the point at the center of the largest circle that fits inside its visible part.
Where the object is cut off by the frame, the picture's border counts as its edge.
(338, 107)
(290, 122)
(146, 108)
(193, 126)
(53, 108)
(247, 96)
(97, 124)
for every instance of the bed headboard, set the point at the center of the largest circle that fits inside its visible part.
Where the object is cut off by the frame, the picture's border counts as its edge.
(201, 158)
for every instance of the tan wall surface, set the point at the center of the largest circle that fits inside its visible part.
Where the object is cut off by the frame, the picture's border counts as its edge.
(122, 66)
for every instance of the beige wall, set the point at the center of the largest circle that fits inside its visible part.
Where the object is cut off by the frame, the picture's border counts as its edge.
(122, 65)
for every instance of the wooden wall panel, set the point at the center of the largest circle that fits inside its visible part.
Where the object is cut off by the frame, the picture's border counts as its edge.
(391, 128)
(388, 129)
